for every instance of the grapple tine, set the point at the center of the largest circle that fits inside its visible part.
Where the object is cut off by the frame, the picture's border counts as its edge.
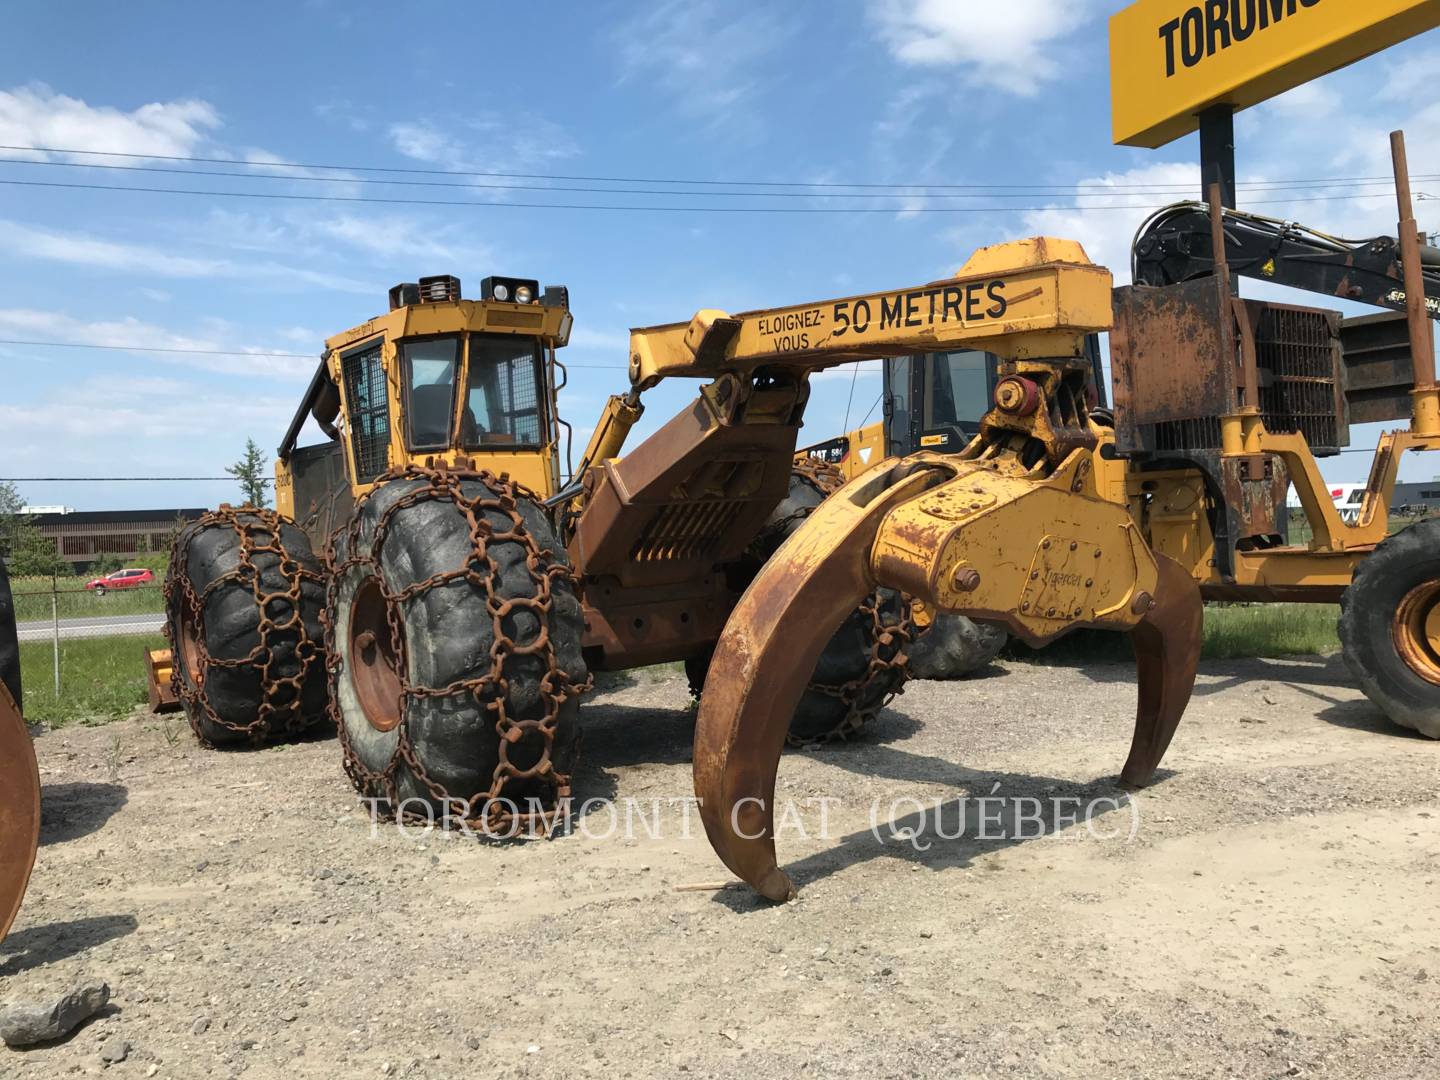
(19, 810)
(1167, 650)
(764, 659)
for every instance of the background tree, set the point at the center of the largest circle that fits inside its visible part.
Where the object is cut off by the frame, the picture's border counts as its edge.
(26, 552)
(250, 472)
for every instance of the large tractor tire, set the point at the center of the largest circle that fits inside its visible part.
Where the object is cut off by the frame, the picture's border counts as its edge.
(19, 777)
(952, 647)
(9, 640)
(864, 665)
(244, 599)
(1390, 627)
(456, 633)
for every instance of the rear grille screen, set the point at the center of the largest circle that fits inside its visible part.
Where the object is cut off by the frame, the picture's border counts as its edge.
(369, 410)
(1297, 348)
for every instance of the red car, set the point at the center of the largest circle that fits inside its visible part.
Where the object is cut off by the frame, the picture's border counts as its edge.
(121, 579)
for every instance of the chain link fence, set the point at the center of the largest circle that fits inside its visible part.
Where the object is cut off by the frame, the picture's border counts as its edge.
(83, 643)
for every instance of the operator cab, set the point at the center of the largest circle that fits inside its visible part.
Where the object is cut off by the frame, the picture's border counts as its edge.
(935, 401)
(438, 379)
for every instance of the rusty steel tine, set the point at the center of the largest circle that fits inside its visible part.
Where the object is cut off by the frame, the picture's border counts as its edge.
(19, 810)
(765, 656)
(1167, 650)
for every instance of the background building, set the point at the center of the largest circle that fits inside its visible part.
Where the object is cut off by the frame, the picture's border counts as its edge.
(83, 536)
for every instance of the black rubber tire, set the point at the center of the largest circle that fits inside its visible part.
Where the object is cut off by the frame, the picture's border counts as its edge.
(822, 714)
(952, 647)
(449, 634)
(234, 703)
(9, 640)
(1398, 564)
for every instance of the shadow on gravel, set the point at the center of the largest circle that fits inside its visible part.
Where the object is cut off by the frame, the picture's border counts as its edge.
(321, 732)
(70, 811)
(1362, 716)
(989, 812)
(37, 945)
(622, 736)
(1297, 672)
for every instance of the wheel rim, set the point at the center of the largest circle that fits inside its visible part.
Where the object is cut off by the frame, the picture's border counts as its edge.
(374, 660)
(189, 641)
(1416, 629)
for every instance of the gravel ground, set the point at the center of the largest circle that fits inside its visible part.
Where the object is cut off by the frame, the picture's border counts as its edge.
(1267, 909)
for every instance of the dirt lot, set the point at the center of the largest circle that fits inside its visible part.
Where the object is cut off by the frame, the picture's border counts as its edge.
(1274, 913)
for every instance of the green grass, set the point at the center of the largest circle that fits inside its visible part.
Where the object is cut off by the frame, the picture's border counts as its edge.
(34, 601)
(101, 679)
(1231, 631)
(1235, 630)
(1300, 531)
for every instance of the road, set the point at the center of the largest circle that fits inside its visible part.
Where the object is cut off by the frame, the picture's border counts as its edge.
(1265, 909)
(93, 626)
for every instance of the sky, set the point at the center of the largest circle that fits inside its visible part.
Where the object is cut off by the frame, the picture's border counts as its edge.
(886, 92)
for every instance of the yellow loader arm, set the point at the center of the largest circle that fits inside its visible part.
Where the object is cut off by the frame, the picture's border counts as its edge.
(19, 809)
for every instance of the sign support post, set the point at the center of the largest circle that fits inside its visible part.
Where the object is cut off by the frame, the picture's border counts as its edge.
(1217, 153)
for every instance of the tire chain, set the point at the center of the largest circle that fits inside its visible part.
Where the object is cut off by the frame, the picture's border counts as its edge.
(489, 809)
(885, 631)
(274, 717)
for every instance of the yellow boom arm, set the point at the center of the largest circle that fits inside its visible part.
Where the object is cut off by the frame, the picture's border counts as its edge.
(1029, 298)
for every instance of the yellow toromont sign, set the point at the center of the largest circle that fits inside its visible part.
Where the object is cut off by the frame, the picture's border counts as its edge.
(1170, 59)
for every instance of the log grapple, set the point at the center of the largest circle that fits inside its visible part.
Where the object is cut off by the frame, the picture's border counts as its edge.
(1022, 528)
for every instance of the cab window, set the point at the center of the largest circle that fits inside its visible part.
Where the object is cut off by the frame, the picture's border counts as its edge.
(430, 367)
(502, 393)
(959, 390)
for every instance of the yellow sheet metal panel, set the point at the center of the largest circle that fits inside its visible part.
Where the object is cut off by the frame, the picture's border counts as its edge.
(1171, 59)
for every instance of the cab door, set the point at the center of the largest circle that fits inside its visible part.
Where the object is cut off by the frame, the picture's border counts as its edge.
(934, 401)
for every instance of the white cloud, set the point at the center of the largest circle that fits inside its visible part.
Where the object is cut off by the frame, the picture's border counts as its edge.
(1103, 231)
(1411, 78)
(485, 142)
(52, 245)
(395, 246)
(702, 55)
(82, 249)
(1012, 46)
(35, 115)
(108, 416)
(140, 338)
(391, 236)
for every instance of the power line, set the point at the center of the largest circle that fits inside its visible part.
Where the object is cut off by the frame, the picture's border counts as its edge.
(104, 479)
(225, 352)
(161, 349)
(642, 208)
(907, 188)
(980, 191)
